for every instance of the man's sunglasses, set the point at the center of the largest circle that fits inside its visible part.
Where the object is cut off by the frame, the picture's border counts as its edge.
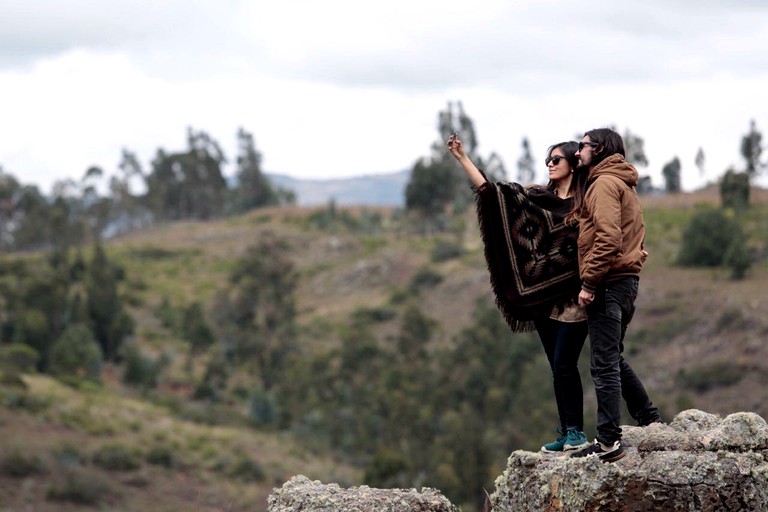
(590, 144)
(554, 159)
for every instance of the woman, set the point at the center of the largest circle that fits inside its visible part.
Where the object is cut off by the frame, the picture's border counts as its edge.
(538, 284)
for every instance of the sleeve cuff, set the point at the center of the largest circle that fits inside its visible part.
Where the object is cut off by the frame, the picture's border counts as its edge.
(483, 186)
(588, 287)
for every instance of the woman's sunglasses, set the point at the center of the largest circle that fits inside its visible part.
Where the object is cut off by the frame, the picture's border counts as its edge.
(554, 159)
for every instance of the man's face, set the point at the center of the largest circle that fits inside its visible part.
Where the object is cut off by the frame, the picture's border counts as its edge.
(586, 151)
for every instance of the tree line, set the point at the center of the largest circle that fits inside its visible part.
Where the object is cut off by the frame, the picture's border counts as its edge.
(189, 185)
(180, 185)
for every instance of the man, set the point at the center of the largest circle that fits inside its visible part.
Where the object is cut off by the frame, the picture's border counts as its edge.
(611, 255)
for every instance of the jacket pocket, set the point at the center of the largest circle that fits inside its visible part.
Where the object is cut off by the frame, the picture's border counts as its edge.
(585, 242)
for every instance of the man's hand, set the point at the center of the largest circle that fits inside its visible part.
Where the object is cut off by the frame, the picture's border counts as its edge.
(585, 298)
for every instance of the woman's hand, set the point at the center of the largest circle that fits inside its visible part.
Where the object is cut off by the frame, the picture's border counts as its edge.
(457, 150)
(455, 147)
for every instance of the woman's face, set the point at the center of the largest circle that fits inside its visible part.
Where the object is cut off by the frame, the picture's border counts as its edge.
(558, 166)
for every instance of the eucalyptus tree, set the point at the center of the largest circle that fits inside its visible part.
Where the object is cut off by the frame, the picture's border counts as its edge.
(752, 150)
(253, 188)
(437, 185)
(671, 173)
(255, 313)
(526, 171)
(189, 184)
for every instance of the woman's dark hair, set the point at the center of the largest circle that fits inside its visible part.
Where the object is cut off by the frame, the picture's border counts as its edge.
(569, 150)
(577, 190)
(610, 143)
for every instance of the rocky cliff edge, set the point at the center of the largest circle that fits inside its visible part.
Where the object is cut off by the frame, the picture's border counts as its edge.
(698, 462)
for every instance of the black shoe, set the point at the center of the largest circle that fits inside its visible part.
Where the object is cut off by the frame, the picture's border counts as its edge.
(614, 453)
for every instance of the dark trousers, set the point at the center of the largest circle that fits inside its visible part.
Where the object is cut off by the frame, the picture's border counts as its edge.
(608, 317)
(562, 343)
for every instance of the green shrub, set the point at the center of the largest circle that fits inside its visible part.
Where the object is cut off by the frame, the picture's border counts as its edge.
(262, 407)
(76, 354)
(81, 486)
(366, 316)
(21, 399)
(19, 356)
(707, 238)
(139, 369)
(169, 316)
(399, 296)
(116, 457)
(33, 329)
(162, 455)
(737, 257)
(69, 454)
(425, 278)
(247, 469)
(20, 465)
(445, 251)
(386, 469)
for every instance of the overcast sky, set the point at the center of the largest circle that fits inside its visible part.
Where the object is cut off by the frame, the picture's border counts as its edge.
(338, 88)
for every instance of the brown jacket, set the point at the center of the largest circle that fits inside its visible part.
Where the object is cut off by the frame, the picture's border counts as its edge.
(611, 229)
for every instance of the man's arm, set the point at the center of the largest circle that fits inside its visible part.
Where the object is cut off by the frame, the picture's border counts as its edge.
(604, 205)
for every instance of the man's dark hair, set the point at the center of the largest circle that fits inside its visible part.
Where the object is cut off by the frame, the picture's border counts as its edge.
(609, 142)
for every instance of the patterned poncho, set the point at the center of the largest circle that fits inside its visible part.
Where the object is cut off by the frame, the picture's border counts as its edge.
(531, 253)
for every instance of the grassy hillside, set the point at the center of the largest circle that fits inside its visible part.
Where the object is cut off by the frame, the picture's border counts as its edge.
(697, 340)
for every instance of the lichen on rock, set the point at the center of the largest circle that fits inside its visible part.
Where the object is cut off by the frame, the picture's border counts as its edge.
(302, 494)
(699, 462)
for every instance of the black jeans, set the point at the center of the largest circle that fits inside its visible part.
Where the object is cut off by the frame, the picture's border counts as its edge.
(608, 317)
(563, 342)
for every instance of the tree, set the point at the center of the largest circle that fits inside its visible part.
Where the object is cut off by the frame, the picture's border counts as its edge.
(128, 205)
(479, 384)
(253, 188)
(671, 173)
(735, 189)
(195, 329)
(110, 323)
(525, 166)
(752, 149)
(188, 185)
(76, 355)
(430, 189)
(634, 147)
(38, 305)
(95, 209)
(256, 312)
(437, 183)
(700, 161)
(31, 219)
(10, 190)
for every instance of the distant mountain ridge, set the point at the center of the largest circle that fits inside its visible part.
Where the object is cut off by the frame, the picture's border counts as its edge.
(370, 189)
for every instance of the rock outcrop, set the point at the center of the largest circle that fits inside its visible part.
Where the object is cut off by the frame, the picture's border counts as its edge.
(302, 494)
(699, 462)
